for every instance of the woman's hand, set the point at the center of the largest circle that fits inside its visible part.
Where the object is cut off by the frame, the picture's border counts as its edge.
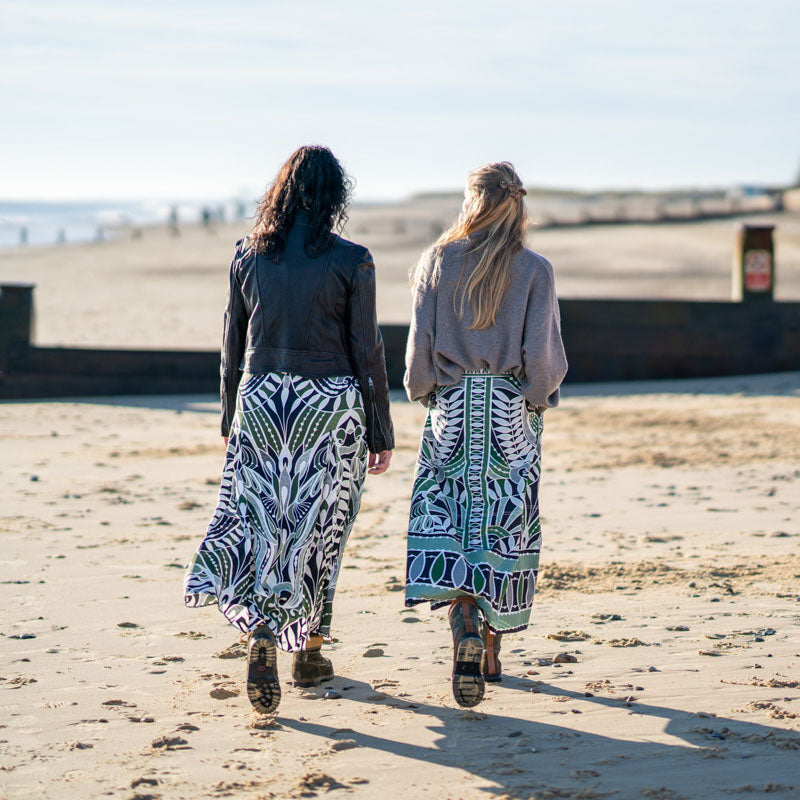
(379, 462)
(225, 439)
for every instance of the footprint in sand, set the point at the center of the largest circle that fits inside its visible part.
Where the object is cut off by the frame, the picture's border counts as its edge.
(80, 746)
(631, 642)
(565, 658)
(312, 783)
(137, 782)
(343, 744)
(773, 710)
(19, 681)
(236, 650)
(569, 636)
(223, 694)
(170, 743)
(600, 619)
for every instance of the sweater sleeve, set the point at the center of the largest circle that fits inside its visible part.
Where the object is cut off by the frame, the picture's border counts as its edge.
(543, 357)
(420, 376)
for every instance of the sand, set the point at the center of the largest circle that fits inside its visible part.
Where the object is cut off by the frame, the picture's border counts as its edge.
(669, 589)
(166, 291)
(669, 578)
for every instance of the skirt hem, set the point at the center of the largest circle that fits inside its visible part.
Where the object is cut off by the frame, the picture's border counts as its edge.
(439, 599)
(204, 600)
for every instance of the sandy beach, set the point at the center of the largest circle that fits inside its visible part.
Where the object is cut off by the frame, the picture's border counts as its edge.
(669, 579)
(662, 659)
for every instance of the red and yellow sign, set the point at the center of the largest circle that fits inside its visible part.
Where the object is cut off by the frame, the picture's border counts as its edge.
(757, 270)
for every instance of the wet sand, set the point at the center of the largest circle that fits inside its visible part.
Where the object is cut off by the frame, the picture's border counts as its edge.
(670, 579)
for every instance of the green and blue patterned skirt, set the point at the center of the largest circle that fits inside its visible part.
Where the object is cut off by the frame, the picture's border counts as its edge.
(474, 526)
(291, 489)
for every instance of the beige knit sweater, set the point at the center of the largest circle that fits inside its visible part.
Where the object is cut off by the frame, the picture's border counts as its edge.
(526, 339)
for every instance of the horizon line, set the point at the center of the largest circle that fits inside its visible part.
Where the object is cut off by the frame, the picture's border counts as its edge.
(408, 197)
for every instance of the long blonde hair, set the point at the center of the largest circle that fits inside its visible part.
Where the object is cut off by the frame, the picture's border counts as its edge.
(494, 212)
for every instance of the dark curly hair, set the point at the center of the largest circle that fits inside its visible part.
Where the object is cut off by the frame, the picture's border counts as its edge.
(311, 180)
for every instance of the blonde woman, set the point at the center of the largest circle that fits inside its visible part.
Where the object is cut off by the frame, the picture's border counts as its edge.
(485, 356)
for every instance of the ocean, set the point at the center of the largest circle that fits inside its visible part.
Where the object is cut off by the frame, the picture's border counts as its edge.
(42, 223)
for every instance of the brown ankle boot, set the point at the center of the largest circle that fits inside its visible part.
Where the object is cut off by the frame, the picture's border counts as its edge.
(465, 623)
(491, 668)
(309, 666)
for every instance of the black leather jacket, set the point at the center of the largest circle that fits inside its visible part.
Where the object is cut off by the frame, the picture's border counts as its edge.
(314, 317)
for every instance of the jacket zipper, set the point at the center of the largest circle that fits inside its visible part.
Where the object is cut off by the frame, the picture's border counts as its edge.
(375, 409)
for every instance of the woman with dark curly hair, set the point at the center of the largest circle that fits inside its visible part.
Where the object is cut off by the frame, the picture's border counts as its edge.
(305, 414)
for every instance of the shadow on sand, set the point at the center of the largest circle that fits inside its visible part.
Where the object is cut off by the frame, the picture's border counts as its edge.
(518, 758)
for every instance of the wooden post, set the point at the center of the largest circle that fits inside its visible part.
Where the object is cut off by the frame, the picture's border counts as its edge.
(16, 317)
(754, 264)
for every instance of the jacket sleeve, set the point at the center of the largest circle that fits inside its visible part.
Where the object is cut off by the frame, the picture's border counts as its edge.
(234, 338)
(543, 356)
(366, 348)
(420, 377)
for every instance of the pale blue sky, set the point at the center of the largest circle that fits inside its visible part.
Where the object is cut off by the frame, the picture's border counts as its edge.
(202, 100)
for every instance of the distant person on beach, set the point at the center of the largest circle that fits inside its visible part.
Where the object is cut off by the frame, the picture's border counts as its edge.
(485, 356)
(305, 414)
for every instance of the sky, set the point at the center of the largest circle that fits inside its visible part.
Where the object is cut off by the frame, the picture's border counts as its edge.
(205, 100)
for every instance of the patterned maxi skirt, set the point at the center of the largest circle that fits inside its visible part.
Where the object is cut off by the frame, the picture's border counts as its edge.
(474, 526)
(290, 492)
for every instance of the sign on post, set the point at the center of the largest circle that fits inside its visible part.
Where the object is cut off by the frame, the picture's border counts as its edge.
(754, 264)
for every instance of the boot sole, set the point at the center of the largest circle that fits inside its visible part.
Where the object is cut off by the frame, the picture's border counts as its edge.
(263, 687)
(468, 683)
